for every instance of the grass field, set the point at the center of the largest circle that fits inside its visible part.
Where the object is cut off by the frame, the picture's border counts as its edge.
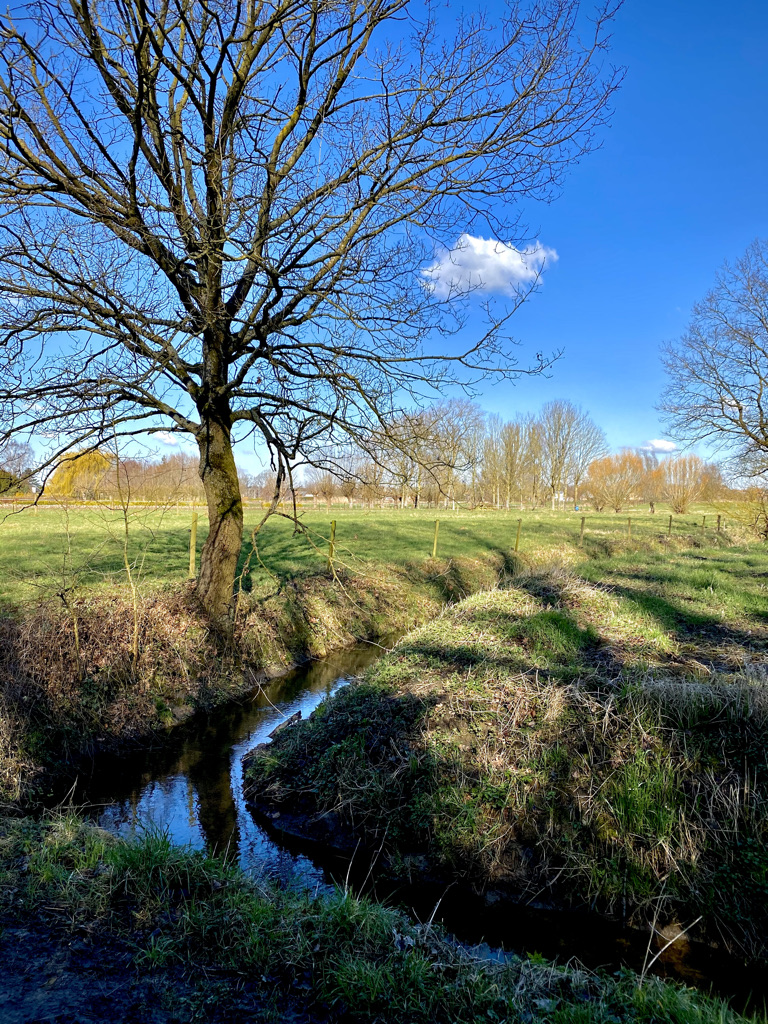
(46, 550)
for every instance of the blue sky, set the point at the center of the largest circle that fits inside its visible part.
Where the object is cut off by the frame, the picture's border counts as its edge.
(642, 226)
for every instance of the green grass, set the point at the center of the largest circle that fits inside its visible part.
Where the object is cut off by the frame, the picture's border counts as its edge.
(45, 551)
(597, 735)
(336, 957)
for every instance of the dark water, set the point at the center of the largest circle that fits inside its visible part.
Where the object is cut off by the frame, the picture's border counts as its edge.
(190, 786)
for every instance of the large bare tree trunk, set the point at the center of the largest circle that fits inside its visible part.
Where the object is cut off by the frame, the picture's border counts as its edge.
(218, 561)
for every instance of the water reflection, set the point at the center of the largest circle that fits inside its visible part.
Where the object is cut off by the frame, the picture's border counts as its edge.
(191, 786)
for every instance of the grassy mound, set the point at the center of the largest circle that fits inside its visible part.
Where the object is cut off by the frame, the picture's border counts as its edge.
(595, 741)
(261, 954)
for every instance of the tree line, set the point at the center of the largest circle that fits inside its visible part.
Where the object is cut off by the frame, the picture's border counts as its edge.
(456, 454)
(451, 454)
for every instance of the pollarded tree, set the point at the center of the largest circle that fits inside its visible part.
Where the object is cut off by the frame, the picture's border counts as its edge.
(614, 479)
(323, 484)
(221, 216)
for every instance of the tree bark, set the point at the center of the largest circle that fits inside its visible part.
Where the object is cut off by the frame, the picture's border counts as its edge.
(218, 561)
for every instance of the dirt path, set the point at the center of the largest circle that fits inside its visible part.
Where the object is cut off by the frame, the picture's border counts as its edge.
(56, 977)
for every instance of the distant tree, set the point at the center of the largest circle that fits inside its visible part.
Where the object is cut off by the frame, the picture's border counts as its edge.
(84, 475)
(588, 442)
(8, 483)
(452, 444)
(324, 484)
(16, 467)
(348, 486)
(718, 371)
(535, 461)
(371, 481)
(613, 480)
(492, 459)
(517, 457)
(713, 486)
(557, 422)
(652, 484)
(683, 481)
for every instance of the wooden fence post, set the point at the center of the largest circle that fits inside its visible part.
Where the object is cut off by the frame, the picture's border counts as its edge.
(332, 545)
(581, 534)
(517, 538)
(669, 528)
(434, 541)
(193, 547)
(718, 524)
(704, 523)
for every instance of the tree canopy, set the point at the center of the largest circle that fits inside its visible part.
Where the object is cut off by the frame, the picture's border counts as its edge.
(221, 215)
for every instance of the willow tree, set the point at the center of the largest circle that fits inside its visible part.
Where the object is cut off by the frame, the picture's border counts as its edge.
(223, 216)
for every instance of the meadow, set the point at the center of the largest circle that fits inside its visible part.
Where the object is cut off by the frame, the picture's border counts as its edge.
(79, 548)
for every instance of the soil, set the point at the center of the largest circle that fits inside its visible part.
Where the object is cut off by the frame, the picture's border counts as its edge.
(53, 976)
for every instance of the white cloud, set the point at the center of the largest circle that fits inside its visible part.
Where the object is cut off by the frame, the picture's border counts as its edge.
(166, 437)
(659, 446)
(486, 265)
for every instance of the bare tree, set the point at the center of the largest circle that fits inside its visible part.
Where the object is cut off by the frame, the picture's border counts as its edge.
(588, 442)
(718, 371)
(219, 215)
(324, 484)
(492, 459)
(454, 428)
(16, 466)
(652, 484)
(371, 481)
(570, 441)
(516, 445)
(557, 421)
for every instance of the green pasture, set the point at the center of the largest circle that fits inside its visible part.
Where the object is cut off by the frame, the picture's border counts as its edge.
(48, 550)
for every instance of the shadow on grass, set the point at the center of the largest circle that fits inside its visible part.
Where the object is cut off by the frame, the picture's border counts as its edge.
(688, 625)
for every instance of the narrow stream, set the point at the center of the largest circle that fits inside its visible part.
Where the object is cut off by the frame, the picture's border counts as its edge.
(190, 786)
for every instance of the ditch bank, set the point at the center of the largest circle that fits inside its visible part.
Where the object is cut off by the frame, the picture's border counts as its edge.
(95, 673)
(518, 747)
(186, 915)
(177, 935)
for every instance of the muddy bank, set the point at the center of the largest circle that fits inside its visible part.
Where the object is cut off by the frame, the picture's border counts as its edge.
(53, 974)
